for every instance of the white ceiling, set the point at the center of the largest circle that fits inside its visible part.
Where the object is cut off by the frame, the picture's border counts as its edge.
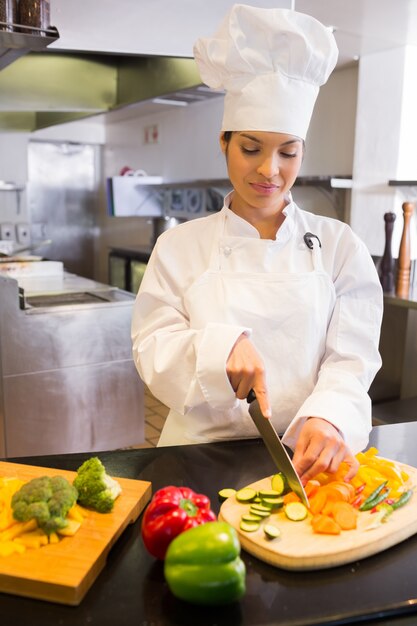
(170, 27)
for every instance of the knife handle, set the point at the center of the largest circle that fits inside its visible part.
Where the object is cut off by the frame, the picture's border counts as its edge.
(251, 396)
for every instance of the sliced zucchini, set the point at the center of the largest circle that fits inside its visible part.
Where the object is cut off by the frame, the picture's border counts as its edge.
(279, 483)
(260, 514)
(246, 494)
(274, 503)
(257, 499)
(269, 494)
(251, 517)
(295, 511)
(249, 527)
(271, 531)
(226, 493)
(261, 507)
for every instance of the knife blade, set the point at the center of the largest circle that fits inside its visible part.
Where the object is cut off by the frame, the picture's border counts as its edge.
(276, 448)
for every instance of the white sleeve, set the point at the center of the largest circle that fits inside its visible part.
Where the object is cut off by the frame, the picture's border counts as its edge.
(183, 367)
(351, 359)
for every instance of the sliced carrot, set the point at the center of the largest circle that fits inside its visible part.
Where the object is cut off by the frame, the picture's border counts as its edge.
(337, 492)
(318, 501)
(325, 525)
(311, 488)
(347, 488)
(291, 497)
(328, 507)
(345, 515)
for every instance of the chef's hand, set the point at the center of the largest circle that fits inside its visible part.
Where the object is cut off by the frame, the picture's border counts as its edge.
(321, 448)
(246, 371)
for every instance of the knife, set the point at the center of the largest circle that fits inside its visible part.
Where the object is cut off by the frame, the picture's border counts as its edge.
(275, 447)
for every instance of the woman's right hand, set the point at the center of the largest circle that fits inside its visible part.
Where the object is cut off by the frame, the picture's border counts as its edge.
(246, 371)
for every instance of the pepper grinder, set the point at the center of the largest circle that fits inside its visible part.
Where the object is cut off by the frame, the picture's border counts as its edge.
(404, 261)
(386, 269)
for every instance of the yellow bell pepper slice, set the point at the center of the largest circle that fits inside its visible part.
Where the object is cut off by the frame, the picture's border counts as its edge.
(372, 451)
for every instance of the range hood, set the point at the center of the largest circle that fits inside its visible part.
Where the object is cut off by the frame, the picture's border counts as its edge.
(46, 88)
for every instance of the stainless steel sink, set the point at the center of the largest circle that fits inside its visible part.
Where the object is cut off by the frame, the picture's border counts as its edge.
(70, 298)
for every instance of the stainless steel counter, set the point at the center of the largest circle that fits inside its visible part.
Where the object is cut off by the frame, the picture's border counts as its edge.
(67, 379)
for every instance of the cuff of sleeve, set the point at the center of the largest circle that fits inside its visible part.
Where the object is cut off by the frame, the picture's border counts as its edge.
(215, 347)
(349, 411)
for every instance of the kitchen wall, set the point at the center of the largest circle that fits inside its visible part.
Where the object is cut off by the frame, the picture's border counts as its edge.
(188, 149)
(13, 168)
(188, 146)
(15, 208)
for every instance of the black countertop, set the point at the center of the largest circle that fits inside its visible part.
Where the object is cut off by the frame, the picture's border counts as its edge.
(131, 591)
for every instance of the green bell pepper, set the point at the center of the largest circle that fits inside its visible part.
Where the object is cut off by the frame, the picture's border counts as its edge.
(203, 565)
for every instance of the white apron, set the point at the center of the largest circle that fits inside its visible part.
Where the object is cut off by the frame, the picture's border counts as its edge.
(288, 313)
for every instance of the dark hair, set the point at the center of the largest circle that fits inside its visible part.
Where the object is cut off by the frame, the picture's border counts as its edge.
(227, 135)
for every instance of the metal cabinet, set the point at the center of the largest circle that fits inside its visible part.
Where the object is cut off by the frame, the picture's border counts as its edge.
(68, 382)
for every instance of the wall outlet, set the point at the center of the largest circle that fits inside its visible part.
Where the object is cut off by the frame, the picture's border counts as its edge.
(7, 232)
(23, 233)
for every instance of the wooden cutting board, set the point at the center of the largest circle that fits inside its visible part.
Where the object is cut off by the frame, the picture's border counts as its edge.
(64, 572)
(298, 548)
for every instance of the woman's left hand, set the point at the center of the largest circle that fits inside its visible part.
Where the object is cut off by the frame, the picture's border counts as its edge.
(321, 448)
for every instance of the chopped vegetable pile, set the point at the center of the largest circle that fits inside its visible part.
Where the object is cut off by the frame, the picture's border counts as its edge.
(380, 486)
(47, 500)
(41, 511)
(17, 536)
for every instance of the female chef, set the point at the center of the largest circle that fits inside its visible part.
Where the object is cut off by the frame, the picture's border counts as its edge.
(263, 295)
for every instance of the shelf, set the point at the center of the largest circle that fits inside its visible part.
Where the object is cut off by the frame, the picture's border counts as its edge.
(409, 302)
(13, 45)
(123, 191)
(6, 186)
(402, 183)
(332, 187)
(328, 182)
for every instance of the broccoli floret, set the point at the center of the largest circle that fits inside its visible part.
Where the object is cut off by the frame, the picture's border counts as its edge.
(96, 489)
(47, 500)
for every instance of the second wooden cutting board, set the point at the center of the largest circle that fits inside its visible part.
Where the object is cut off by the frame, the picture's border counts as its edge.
(64, 572)
(298, 548)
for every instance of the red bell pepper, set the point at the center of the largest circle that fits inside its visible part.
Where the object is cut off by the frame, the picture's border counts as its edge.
(171, 511)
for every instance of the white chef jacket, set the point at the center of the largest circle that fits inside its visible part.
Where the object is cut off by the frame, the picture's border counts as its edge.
(184, 364)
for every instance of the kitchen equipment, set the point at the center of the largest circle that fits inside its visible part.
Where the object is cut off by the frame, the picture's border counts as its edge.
(298, 548)
(64, 572)
(8, 14)
(161, 224)
(30, 248)
(36, 14)
(66, 352)
(275, 447)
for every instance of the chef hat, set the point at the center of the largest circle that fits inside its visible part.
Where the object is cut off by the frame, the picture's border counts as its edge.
(271, 63)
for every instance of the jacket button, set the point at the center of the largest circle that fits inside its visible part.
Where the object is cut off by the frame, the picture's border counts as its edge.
(227, 251)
